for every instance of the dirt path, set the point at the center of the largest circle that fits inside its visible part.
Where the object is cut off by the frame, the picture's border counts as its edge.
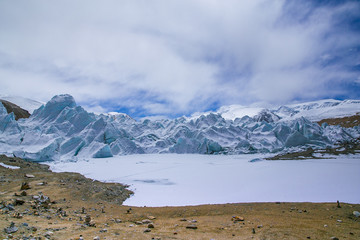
(70, 206)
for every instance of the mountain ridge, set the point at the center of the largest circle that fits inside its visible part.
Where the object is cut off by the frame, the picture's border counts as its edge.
(62, 130)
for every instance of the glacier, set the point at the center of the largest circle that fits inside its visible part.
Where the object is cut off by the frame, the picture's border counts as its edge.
(62, 130)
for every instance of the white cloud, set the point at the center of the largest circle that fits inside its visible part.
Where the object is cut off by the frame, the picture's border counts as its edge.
(165, 57)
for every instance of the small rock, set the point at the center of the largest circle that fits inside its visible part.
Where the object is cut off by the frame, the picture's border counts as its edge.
(29, 176)
(259, 226)
(334, 238)
(236, 219)
(96, 238)
(151, 217)
(41, 184)
(11, 229)
(138, 223)
(17, 215)
(118, 220)
(25, 186)
(48, 234)
(87, 219)
(339, 221)
(10, 207)
(183, 220)
(131, 225)
(19, 201)
(191, 226)
(146, 221)
(325, 225)
(92, 224)
(151, 225)
(356, 213)
(103, 230)
(147, 230)
(193, 221)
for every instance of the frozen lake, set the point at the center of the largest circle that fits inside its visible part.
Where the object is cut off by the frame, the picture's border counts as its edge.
(184, 179)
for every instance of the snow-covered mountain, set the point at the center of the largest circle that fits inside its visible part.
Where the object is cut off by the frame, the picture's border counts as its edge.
(319, 110)
(314, 111)
(61, 130)
(25, 103)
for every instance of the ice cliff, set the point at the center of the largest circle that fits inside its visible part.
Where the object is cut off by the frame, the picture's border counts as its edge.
(62, 130)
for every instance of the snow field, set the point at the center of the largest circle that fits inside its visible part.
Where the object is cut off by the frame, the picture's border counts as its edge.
(190, 179)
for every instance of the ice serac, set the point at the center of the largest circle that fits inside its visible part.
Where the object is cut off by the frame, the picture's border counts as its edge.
(61, 130)
(8, 124)
(3, 110)
(54, 107)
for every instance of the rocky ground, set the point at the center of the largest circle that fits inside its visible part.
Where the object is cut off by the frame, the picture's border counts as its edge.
(347, 122)
(36, 203)
(344, 148)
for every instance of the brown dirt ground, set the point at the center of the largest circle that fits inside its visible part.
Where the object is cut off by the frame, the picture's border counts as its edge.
(70, 192)
(346, 122)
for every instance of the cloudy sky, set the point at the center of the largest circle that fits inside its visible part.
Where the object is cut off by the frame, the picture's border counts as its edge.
(173, 58)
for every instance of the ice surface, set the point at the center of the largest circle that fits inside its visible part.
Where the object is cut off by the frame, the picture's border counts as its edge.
(191, 179)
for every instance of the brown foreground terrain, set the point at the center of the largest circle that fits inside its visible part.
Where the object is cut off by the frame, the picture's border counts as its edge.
(347, 122)
(70, 206)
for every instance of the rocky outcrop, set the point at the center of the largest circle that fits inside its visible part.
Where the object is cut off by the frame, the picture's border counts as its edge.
(13, 108)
